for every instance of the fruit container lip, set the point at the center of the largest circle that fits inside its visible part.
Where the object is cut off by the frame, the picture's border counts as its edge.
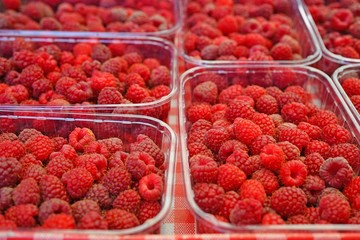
(167, 33)
(302, 26)
(326, 53)
(184, 101)
(339, 76)
(165, 46)
(169, 147)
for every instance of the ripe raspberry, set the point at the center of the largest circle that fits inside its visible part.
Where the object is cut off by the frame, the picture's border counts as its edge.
(239, 109)
(27, 192)
(259, 142)
(245, 130)
(92, 220)
(128, 200)
(19, 92)
(199, 111)
(317, 146)
(51, 187)
(100, 80)
(293, 173)
(59, 165)
(59, 221)
(112, 144)
(272, 218)
(313, 162)
(58, 143)
(314, 132)
(23, 215)
(7, 225)
(294, 112)
(253, 189)
(205, 92)
(79, 92)
(335, 134)
(334, 209)
(288, 201)
(100, 194)
(246, 211)
(6, 198)
(23, 59)
(80, 137)
(227, 48)
(313, 186)
(34, 171)
(267, 178)
(40, 146)
(94, 163)
(117, 180)
(209, 197)
(101, 53)
(81, 208)
(230, 177)
(228, 94)
(238, 158)
(10, 172)
(120, 219)
(272, 157)
(8, 136)
(287, 97)
(298, 219)
(139, 164)
(228, 147)
(228, 24)
(68, 152)
(351, 86)
(341, 19)
(323, 118)
(114, 66)
(267, 104)
(295, 136)
(151, 187)
(203, 169)
(146, 144)
(136, 93)
(352, 190)
(148, 210)
(336, 172)
(77, 182)
(160, 76)
(215, 137)
(12, 149)
(265, 123)
(53, 206)
(230, 199)
(348, 151)
(281, 51)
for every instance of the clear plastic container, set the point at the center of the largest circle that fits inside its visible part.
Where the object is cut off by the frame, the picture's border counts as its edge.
(310, 53)
(104, 126)
(329, 61)
(323, 94)
(342, 73)
(149, 47)
(165, 32)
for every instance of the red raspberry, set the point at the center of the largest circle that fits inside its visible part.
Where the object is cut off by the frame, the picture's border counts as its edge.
(348, 151)
(265, 123)
(203, 169)
(313, 186)
(136, 93)
(40, 146)
(356, 101)
(271, 219)
(205, 92)
(336, 172)
(101, 53)
(148, 210)
(230, 177)
(63, 84)
(58, 143)
(120, 219)
(81, 208)
(80, 137)
(228, 147)
(18, 91)
(117, 180)
(295, 136)
(272, 157)
(245, 130)
(352, 190)
(323, 118)
(267, 104)
(77, 182)
(94, 163)
(30, 75)
(199, 111)
(312, 213)
(281, 51)
(23, 215)
(92, 220)
(252, 39)
(335, 134)
(145, 144)
(294, 112)
(253, 189)
(134, 78)
(114, 66)
(259, 142)
(141, 69)
(228, 94)
(7, 225)
(209, 197)
(298, 219)
(313, 162)
(53, 206)
(267, 178)
(227, 48)
(239, 109)
(128, 200)
(15, 149)
(27, 192)
(230, 199)
(290, 150)
(228, 24)
(10, 172)
(59, 165)
(59, 221)
(160, 76)
(151, 187)
(79, 92)
(341, 19)
(139, 164)
(314, 132)
(132, 58)
(100, 80)
(112, 144)
(334, 209)
(160, 91)
(246, 211)
(8, 136)
(68, 152)
(6, 198)
(293, 173)
(215, 137)
(100, 194)
(316, 146)
(238, 158)
(254, 91)
(351, 86)
(34, 171)
(23, 59)
(288, 201)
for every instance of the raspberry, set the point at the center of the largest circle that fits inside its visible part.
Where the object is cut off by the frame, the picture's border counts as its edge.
(272, 157)
(203, 169)
(230, 177)
(351, 86)
(51, 187)
(215, 137)
(323, 118)
(59, 221)
(246, 211)
(314, 132)
(238, 158)
(151, 187)
(79, 92)
(209, 197)
(210, 52)
(19, 92)
(10, 172)
(295, 136)
(336, 172)
(288, 201)
(290, 150)
(267, 104)
(134, 78)
(53, 206)
(335, 134)
(227, 48)
(58, 143)
(8, 136)
(245, 130)
(148, 210)
(40, 146)
(139, 164)
(101, 53)
(267, 178)
(23, 215)
(112, 144)
(348, 151)
(312, 214)
(205, 92)
(92, 220)
(6, 198)
(114, 66)
(294, 112)
(352, 190)
(94, 163)
(80, 137)
(160, 76)
(239, 109)
(265, 123)
(24, 59)
(316, 146)
(81, 208)
(100, 194)
(59, 165)
(228, 147)
(298, 219)
(313, 162)
(293, 173)
(141, 69)
(100, 80)
(341, 19)
(253, 189)
(230, 199)
(136, 93)
(145, 144)
(117, 180)
(228, 94)
(128, 200)
(312, 187)
(68, 152)
(120, 219)
(334, 209)
(77, 182)
(27, 192)
(281, 51)
(7, 225)
(271, 219)
(34, 171)
(259, 142)
(12, 149)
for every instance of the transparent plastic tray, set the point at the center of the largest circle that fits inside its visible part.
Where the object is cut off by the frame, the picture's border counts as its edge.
(351, 70)
(105, 126)
(311, 52)
(158, 48)
(168, 33)
(323, 94)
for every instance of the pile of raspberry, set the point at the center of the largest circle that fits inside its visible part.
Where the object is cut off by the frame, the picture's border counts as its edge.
(88, 15)
(78, 182)
(260, 30)
(81, 74)
(338, 24)
(260, 152)
(351, 86)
